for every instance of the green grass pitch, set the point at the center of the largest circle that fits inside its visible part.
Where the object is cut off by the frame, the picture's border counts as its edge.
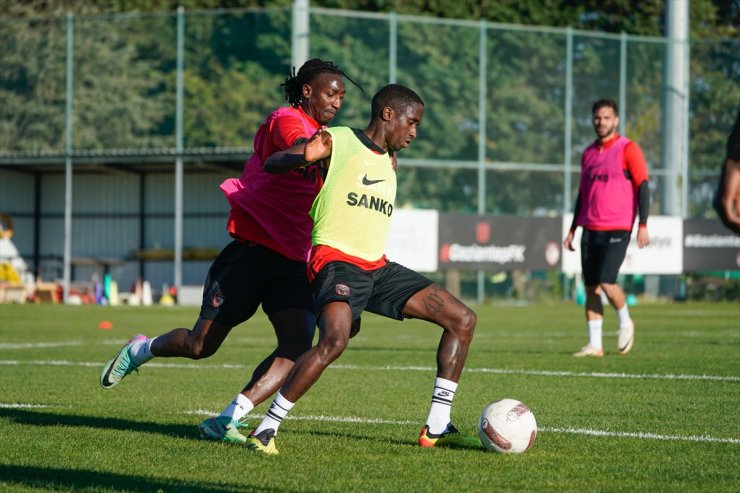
(664, 418)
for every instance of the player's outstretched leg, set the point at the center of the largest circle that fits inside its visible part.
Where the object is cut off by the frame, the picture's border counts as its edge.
(437, 305)
(120, 365)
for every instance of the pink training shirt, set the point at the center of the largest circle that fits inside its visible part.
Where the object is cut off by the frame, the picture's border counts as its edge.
(608, 198)
(272, 209)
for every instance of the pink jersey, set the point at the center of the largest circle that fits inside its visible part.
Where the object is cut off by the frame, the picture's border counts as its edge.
(608, 198)
(272, 209)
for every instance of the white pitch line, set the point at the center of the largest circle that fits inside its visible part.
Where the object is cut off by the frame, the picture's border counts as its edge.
(99, 364)
(643, 435)
(503, 371)
(37, 345)
(659, 376)
(330, 419)
(546, 429)
(353, 419)
(548, 373)
(20, 405)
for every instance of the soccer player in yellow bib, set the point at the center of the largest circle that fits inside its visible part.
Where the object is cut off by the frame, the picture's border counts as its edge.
(349, 271)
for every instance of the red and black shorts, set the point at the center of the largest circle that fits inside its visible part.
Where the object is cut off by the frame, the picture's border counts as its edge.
(383, 291)
(245, 275)
(602, 254)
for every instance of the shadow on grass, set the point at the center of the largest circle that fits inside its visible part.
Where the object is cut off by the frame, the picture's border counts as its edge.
(480, 348)
(35, 418)
(462, 443)
(85, 480)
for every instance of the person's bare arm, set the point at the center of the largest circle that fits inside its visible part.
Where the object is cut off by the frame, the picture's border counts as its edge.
(568, 242)
(731, 193)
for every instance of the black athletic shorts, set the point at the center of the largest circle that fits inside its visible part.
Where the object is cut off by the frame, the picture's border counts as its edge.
(245, 275)
(602, 254)
(384, 291)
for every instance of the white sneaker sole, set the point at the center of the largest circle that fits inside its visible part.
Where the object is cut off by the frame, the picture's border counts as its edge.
(627, 347)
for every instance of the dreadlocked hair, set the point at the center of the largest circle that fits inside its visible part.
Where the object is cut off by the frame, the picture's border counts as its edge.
(293, 85)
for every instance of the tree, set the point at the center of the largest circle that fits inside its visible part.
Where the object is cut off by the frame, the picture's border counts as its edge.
(236, 59)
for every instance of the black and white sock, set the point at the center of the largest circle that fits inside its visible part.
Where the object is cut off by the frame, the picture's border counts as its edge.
(275, 415)
(439, 412)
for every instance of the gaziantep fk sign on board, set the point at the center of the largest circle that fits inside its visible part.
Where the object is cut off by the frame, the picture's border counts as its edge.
(664, 255)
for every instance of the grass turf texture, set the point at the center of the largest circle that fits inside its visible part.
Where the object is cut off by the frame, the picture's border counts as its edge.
(60, 431)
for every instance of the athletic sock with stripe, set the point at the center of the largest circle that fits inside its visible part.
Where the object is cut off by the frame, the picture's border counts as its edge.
(441, 407)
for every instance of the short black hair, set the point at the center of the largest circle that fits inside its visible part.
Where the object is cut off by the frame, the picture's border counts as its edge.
(605, 103)
(394, 96)
(293, 85)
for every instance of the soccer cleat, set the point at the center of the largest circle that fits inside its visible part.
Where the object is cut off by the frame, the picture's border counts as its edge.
(626, 338)
(263, 443)
(589, 350)
(120, 365)
(451, 437)
(221, 429)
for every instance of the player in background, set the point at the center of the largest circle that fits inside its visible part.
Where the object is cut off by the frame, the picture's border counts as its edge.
(266, 261)
(727, 199)
(348, 269)
(613, 187)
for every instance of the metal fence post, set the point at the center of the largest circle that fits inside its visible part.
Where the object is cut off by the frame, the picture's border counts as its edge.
(675, 145)
(179, 147)
(68, 161)
(623, 83)
(482, 94)
(568, 137)
(301, 32)
(392, 47)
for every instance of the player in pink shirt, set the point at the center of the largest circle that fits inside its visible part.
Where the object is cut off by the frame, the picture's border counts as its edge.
(613, 188)
(265, 264)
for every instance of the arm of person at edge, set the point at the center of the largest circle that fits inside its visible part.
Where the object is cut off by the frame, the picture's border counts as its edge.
(568, 242)
(316, 148)
(731, 193)
(637, 169)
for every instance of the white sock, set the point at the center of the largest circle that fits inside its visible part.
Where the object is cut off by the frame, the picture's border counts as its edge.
(141, 351)
(594, 332)
(238, 408)
(439, 412)
(275, 415)
(624, 316)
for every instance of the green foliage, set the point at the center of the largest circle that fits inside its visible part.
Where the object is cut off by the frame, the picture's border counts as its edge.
(123, 83)
(32, 86)
(125, 80)
(234, 64)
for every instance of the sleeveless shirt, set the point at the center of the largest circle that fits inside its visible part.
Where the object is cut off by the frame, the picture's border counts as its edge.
(352, 211)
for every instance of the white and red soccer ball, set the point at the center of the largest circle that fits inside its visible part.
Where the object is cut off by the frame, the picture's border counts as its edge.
(507, 426)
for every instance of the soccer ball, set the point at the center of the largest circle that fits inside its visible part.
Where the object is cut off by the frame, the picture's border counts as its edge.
(507, 426)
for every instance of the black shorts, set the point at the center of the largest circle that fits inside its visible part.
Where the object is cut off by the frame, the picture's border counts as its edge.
(245, 275)
(384, 291)
(602, 254)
